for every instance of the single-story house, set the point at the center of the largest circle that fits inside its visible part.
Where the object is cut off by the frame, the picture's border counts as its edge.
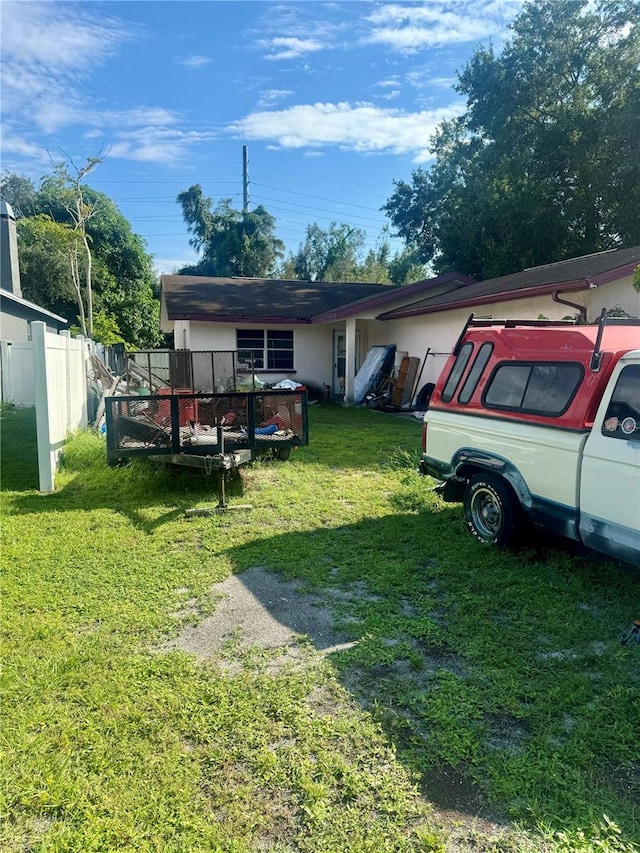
(320, 332)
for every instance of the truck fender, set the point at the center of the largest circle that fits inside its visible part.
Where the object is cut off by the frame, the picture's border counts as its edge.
(468, 461)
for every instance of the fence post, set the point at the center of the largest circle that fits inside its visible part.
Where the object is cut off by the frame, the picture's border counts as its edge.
(46, 464)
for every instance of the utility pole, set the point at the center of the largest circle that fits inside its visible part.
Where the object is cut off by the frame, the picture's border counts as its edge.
(245, 180)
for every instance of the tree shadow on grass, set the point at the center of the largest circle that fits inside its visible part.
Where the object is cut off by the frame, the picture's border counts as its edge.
(427, 631)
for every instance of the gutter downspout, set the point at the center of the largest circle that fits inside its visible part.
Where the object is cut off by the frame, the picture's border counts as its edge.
(581, 308)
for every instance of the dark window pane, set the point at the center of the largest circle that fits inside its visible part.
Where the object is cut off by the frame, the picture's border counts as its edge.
(250, 338)
(280, 359)
(622, 419)
(456, 372)
(508, 385)
(551, 388)
(280, 337)
(543, 389)
(473, 377)
(247, 357)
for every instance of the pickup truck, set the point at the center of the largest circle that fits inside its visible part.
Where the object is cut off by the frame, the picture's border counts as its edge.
(538, 422)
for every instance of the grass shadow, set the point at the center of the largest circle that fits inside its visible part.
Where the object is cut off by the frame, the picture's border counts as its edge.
(497, 680)
(18, 450)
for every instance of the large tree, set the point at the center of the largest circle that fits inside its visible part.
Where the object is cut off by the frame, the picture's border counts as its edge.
(337, 254)
(543, 165)
(230, 242)
(124, 285)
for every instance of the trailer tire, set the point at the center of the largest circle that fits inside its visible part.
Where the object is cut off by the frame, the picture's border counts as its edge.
(491, 510)
(281, 453)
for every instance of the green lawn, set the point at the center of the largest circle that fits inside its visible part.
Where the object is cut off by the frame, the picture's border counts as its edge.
(495, 678)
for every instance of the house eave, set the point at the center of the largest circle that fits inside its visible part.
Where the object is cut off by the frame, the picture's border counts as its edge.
(392, 295)
(239, 318)
(31, 306)
(508, 296)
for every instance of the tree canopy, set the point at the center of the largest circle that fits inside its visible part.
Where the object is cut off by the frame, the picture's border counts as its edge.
(231, 242)
(543, 164)
(337, 254)
(124, 286)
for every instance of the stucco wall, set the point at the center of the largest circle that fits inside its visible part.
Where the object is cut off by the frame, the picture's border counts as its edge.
(312, 347)
(618, 294)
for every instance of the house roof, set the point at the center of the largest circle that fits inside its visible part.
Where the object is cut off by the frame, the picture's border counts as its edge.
(260, 300)
(441, 284)
(30, 308)
(190, 297)
(572, 275)
(275, 300)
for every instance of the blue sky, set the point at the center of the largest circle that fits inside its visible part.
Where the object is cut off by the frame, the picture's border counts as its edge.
(334, 101)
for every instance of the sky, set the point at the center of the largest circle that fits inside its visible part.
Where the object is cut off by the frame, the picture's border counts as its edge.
(334, 102)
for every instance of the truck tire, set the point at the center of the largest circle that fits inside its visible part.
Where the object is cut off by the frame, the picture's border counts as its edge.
(491, 510)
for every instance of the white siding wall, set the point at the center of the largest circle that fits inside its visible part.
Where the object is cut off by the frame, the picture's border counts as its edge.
(16, 360)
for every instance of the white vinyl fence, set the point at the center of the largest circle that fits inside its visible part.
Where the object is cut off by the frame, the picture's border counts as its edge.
(50, 372)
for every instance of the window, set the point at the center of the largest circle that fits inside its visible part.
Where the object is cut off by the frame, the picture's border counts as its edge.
(622, 419)
(266, 349)
(473, 377)
(542, 389)
(456, 372)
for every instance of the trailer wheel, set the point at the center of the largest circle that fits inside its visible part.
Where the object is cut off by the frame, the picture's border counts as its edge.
(491, 510)
(281, 453)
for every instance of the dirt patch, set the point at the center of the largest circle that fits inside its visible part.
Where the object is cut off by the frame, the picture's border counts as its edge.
(257, 608)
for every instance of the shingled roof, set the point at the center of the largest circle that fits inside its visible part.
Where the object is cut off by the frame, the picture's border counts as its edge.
(572, 275)
(189, 297)
(280, 301)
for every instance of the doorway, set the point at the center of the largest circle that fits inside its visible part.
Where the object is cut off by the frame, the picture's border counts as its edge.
(340, 362)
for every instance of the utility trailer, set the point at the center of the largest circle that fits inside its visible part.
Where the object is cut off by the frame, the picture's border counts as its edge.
(201, 409)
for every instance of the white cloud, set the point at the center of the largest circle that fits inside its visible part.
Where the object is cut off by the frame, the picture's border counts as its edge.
(285, 47)
(47, 48)
(196, 61)
(268, 97)
(408, 28)
(168, 266)
(155, 144)
(359, 127)
(17, 145)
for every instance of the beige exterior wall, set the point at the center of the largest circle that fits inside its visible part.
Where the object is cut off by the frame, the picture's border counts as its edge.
(618, 294)
(312, 347)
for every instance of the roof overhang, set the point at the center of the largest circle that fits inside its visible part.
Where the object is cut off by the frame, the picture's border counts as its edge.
(31, 306)
(393, 294)
(226, 318)
(510, 295)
